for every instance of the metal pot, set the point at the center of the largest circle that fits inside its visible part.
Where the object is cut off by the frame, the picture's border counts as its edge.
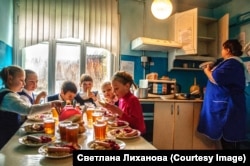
(141, 93)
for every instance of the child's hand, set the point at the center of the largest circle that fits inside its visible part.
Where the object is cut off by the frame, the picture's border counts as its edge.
(42, 94)
(92, 95)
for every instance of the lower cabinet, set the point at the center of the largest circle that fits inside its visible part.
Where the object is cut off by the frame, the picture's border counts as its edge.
(175, 125)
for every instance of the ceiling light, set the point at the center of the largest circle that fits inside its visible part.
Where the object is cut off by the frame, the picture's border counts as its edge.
(161, 9)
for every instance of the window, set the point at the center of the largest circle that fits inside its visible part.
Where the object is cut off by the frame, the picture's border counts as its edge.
(66, 59)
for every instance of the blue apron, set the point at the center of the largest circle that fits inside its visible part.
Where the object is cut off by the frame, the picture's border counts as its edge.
(223, 112)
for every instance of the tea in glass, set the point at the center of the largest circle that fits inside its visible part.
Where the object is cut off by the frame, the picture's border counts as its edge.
(62, 129)
(89, 112)
(49, 125)
(96, 115)
(100, 130)
(72, 133)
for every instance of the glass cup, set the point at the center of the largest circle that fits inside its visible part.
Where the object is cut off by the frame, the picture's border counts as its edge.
(49, 125)
(72, 133)
(89, 112)
(100, 130)
(62, 129)
(96, 115)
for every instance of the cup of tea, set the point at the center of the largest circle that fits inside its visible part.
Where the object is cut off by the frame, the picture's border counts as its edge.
(89, 113)
(100, 130)
(62, 129)
(49, 125)
(96, 115)
(72, 131)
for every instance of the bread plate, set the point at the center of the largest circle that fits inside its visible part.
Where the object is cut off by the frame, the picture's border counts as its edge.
(60, 150)
(38, 117)
(108, 144)
(117, 124)
(204, 64)
(44, 139)
(33, 128)
(124, 133)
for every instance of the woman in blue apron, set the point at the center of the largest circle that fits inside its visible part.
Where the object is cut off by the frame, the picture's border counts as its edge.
(223, 114)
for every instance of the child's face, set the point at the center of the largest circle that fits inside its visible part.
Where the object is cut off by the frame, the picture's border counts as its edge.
(107, 91)
(68, 95)
(31, 82)
(120, 89)
(86, 85)
(17, 82)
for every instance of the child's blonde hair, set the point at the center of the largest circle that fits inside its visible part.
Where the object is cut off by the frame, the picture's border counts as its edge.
(9, 71)
(105, 83)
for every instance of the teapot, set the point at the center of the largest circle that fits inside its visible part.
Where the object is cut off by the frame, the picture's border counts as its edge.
(68, 111)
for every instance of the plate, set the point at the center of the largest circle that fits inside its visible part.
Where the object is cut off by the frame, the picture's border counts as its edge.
(43, 150)
(121, 133)
(94, 146)
(204, 64)
(38, 117)
(33, 128)
(117, 124)
(23, 140)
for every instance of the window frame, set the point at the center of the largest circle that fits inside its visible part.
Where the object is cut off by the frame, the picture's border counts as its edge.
(52, 60)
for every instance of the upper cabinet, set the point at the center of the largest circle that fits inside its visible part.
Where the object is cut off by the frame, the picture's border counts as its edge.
(199, 36)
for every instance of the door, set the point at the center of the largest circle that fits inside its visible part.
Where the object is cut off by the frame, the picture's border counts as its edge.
(186, 31)
(223, 27)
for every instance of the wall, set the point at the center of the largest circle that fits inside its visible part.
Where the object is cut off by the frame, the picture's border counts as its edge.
(235, 8)
(132, 26)
(6, 34)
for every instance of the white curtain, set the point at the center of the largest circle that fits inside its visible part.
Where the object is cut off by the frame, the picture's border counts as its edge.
(93, 21)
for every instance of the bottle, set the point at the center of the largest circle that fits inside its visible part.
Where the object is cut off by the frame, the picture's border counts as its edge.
(55, 114)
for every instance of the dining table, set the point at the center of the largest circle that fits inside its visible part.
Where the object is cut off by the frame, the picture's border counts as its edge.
(16, 154)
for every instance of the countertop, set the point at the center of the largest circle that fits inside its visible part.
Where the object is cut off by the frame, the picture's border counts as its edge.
(158, 99)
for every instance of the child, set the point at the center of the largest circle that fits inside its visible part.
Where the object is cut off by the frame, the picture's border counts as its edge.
(129, 108)
(11, 105)
(86, 96)
(108, 93)
(27, 94)
(68, 93)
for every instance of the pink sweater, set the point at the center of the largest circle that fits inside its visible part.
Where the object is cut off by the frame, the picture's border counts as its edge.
(132, 112)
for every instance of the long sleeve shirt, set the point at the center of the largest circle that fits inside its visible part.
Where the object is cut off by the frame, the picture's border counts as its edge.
(13, 103)
(132, 112)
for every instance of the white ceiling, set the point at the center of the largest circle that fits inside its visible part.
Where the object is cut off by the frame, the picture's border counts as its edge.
(210, 4)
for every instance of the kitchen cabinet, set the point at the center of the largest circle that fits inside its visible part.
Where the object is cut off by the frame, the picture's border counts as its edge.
(173, 125)
(201, 38)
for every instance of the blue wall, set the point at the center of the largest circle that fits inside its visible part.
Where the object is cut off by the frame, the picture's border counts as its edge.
(184, 78)
(6, 34)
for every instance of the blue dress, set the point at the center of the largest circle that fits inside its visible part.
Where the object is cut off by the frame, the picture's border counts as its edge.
(223, 112)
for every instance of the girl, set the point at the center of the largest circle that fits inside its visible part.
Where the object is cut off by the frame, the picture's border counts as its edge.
(11, 105)
(129, 108)
(108, 93)
(27, 94)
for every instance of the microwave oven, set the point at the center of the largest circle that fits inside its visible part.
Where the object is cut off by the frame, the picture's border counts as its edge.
(161, 87)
